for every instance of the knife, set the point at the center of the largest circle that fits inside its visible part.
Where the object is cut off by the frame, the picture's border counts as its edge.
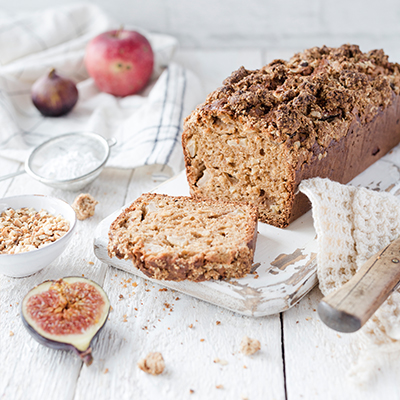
(349, 308)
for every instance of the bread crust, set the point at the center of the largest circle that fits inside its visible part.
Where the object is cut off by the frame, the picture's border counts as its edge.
(171, 264)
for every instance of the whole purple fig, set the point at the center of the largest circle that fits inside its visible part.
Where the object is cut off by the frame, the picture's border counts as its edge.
(54, 95)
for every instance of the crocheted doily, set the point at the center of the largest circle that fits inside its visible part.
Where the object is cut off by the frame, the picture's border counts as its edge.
(353, 224)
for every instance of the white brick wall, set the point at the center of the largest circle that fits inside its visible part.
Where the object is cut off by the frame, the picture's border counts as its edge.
(266, 24)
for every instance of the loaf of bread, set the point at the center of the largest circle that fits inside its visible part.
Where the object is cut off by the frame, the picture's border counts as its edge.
(177, 238)
(327, 112)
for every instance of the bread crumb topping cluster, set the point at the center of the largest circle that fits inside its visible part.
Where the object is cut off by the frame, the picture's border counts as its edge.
(312, 97)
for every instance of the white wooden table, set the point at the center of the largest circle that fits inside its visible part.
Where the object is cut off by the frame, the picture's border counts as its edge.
(300, 358)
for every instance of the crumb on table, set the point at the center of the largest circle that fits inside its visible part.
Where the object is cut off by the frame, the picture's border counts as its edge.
(249, 346)
(152, 364)
(84, 206)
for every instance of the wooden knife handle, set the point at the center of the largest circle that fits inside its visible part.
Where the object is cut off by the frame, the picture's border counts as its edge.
(348, 308)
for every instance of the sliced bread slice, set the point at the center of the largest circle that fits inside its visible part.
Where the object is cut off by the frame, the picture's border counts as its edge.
(178, 238)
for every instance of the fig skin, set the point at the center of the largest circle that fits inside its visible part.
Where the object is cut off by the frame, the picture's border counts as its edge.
(54, 95)
(84, 351)
(85, 356)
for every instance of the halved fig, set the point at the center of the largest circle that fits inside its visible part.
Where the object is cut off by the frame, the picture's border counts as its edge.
(66, 314)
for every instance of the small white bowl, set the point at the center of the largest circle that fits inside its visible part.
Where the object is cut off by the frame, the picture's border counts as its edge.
(27, 263)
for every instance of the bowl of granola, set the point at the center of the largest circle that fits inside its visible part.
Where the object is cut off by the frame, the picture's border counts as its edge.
(34, 231)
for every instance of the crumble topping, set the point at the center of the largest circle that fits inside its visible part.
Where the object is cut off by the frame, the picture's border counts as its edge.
(312, 97)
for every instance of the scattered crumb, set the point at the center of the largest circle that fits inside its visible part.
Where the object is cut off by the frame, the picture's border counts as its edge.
(153, 363)
(191, 391)
(91, 263)
(201, 340)
(308, 319)
(219, 386)
(222, 362)
(177, 298)
(106, 371)
(244, 366)
(83, 274)
(249, 346)
(191, 326)
(134, 284)
(84, 206)
(338, 336)
(162, 290)
(111, 308)
(121, 296)
(217, 322)
(11, 333)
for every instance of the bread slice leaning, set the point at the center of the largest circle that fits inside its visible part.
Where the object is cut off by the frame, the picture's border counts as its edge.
(178, 238)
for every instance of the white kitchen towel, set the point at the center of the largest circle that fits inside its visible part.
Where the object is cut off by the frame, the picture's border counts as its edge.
(147, 126)
(352, 225)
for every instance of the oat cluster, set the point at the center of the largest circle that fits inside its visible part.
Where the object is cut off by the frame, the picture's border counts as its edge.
(26, 229)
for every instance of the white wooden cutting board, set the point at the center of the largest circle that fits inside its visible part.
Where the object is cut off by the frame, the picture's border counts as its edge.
(284, 267)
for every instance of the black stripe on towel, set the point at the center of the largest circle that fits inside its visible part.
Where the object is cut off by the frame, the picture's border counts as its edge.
(179, 126)
(161, 118)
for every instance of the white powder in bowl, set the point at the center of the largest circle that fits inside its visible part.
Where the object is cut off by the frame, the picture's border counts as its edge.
(71, 165)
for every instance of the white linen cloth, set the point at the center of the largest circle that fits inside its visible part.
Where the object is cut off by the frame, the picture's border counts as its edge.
(147, 126)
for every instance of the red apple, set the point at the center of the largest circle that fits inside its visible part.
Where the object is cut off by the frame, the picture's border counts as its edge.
(120, 62)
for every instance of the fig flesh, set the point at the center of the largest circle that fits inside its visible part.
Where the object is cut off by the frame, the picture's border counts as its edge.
(54, 95)
(66, 314)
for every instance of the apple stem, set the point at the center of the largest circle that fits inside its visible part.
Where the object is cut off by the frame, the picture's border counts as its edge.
(118, 33)
(52, 73)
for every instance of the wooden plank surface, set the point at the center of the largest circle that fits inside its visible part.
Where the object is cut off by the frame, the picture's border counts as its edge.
(300, 358)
